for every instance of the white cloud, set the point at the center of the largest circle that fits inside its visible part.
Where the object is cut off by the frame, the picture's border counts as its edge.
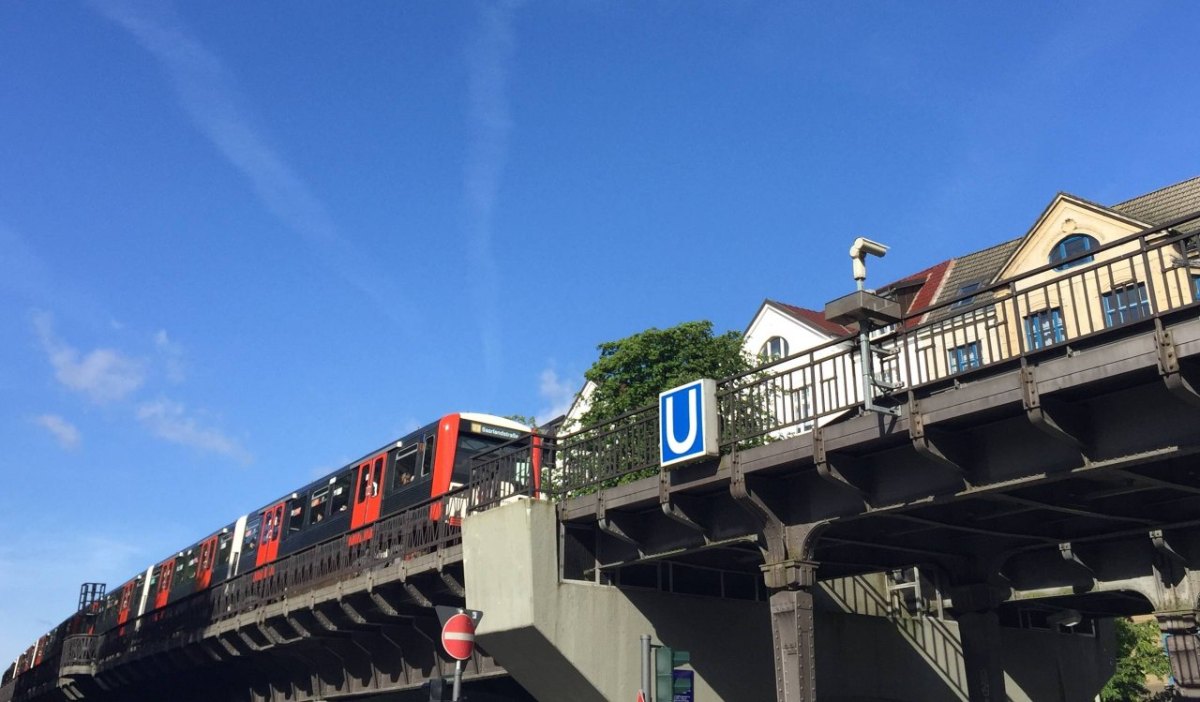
(103, 375)
(208, 95)
(171, 421)
(172, 356)
(489, 122)
(67, 433)
(559, 393)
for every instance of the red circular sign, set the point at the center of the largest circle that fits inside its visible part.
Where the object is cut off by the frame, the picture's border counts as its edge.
(458, 636)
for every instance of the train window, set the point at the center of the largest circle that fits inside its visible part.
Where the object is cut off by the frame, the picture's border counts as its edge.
(226, 539)
(405, 469)
(427, 457)
(341, 494)
(295, 514)
(192, 565)
(250, 541)
(318, 505)
(471, 446)
(271, 525)
(364, 480)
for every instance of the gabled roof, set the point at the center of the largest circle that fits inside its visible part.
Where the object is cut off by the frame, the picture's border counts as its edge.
(812, 318)
(977, 267)
(931, 280)
(1165, 204)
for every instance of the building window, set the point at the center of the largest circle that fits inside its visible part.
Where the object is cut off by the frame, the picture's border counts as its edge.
(801, 407)
(1195, 286)
(1044, 328)
(964, 357)
(967, 290)
(775, 348)
(1069, 248)
(1125, 304)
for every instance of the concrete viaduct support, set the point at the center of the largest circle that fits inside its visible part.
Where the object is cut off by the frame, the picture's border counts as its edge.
(579, 641)
(565, 640)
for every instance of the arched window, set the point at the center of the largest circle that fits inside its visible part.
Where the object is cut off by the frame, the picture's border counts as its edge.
(1068, 248)
(776, 347)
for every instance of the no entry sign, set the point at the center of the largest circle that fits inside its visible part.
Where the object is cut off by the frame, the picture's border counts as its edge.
(458, 636)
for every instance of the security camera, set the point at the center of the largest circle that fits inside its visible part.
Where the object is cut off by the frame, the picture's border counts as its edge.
(863, 246)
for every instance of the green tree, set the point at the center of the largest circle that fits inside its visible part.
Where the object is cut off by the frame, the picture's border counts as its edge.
(527, 419)
(1139, 653)
(631, 372)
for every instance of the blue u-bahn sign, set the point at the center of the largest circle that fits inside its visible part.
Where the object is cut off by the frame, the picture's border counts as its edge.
(687, 422)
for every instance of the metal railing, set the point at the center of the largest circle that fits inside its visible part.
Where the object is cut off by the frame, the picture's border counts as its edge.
(79, 650)
(1125, 284)
(930, 637)
(424, 528)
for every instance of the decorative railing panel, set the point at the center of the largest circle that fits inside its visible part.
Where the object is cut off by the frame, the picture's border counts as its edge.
(79, 650)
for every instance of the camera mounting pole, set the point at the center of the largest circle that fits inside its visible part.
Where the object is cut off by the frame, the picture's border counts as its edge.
(867, 311)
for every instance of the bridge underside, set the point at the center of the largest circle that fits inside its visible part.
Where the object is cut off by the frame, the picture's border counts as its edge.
(367, 635)
(1067, 481)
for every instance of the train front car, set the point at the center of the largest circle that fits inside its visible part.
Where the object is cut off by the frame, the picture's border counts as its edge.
(470, 435)
(424, 464)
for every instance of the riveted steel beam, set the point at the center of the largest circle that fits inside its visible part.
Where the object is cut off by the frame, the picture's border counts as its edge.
(830, 467)
(1059, 420)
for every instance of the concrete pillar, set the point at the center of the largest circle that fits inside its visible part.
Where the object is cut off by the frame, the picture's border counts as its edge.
(567, 640)
(979, 629)
(1183, 651)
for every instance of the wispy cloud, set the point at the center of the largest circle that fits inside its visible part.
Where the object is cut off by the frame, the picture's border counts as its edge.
(102, 375)
(30, 583)
(67, 433)
(171, 421)
(171, 353)
(557, 392)
(207, 93)
(107, 376)
(489, 122)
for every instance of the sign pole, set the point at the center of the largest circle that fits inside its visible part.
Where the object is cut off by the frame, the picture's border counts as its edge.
(645, 667)
(458, 639)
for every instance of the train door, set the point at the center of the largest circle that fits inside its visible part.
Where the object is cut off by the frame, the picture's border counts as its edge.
(206, 561)
(268, 540)
(166, 576)
(368, 496)
(126, 605)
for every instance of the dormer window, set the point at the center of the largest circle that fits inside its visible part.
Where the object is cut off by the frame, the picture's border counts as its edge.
(775, 348)
(1067, 249)
(965, 294)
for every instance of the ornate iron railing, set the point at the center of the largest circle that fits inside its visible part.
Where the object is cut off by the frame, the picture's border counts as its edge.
(510, 470)
(79, 650)
(1123, 285)
(601, 456)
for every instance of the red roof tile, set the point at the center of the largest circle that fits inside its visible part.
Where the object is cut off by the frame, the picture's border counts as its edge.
(812, 318)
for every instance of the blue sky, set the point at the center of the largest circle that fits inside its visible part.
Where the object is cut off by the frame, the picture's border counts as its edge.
(244, 243)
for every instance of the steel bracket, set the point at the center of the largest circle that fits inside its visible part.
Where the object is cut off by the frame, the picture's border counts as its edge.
(828, 470)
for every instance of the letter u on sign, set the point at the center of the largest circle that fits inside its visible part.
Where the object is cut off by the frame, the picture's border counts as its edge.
(687, 422)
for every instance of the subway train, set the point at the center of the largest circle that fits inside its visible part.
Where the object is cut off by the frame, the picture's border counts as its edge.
(425, 463)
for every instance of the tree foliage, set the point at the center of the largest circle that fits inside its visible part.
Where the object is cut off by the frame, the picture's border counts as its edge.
(1139, 654)
(631, 372)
